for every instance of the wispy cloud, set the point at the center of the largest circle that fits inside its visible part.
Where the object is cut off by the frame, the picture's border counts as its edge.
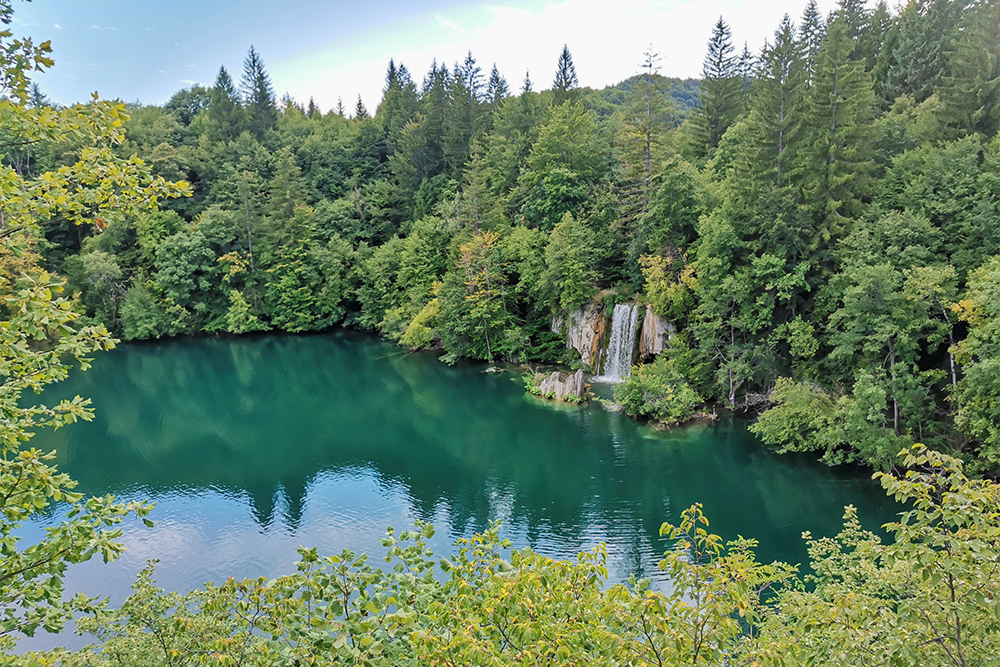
(162, 71)
(446, 23)
(57, 26)
(102, 27)
(188, 82)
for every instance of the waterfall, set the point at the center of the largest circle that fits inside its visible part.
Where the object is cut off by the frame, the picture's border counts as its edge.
(618, 359)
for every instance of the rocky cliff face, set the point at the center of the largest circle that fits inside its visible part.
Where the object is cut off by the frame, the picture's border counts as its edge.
(654, 335)
(559, 385)
(585, 329)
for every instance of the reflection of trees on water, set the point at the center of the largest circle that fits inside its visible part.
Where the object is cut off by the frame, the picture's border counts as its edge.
(262, 418)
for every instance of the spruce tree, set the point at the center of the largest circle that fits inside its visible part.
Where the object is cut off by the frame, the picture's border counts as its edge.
(970, 91)
(835, 165)
(720, 95)
(464, 120)
(565, 81)
(360, 111)
(497, 89)
(225, 109)
(777, 103)
(258, 95)
(340, 106)
(918, 64)
(312, 111)
(810, 37)
(526, 84)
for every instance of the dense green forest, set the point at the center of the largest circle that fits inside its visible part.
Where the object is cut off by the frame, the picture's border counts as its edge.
(821, 226)
(819, 220)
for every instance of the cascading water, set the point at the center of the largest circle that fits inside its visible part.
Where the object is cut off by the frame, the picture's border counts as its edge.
(618, 359)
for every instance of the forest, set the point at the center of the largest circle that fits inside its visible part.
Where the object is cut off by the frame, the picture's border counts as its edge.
(818, 218)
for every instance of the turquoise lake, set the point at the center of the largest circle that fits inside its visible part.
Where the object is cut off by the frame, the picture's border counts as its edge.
(252, 447)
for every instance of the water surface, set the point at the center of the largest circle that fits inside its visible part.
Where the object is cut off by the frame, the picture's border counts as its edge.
(252, 447)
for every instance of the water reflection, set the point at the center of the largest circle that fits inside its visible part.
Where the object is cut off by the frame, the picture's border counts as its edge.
(254, 446)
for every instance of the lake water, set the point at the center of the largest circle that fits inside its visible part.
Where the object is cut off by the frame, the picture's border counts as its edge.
(252, 447)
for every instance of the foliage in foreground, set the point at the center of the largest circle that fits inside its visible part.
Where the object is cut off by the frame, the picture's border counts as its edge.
(925, 596)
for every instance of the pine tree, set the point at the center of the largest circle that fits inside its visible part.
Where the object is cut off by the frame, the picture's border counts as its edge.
(720, 93)
(399, 104)
(497, 89)
(526, 85)
(360, 112)
(836, 161)
(856, 16)
(258, 95)
(777, 103)
(812, 29)
(917, 62)
(225, 110)
(565, 81)
(312, 111)
(340, 106)
(465, 116)
(434, 107)
(643, 120)
(970, 92)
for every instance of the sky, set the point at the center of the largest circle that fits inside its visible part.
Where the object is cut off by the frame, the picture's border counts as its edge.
(146, 50)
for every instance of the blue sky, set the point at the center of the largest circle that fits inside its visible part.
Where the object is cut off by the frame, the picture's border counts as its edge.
(146, 50)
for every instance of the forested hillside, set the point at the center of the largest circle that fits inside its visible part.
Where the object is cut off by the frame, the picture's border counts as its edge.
(820, 219)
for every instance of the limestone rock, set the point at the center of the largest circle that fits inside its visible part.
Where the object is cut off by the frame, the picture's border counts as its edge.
(561, 384)
(654, 336)
(585, 329)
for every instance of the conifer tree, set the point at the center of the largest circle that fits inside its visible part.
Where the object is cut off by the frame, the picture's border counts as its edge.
(526, 84)
(917, 61)
(360, 111)
(464, 120)
(340, 106)
(258, 94)
(720, 94)
(777, 104)
(312, 111)
(970, 91)
(497, 89)
(565, 81)
(225, 110)
(835, 165)
(810, 37)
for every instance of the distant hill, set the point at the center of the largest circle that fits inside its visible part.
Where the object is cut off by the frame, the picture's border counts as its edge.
(683, 93)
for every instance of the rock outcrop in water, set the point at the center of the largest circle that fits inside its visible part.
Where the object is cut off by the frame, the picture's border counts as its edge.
(654, 335)
(560, 385)
(585, 329)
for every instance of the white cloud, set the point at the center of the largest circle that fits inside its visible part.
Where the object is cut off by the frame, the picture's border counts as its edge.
(57, 26)
(446, 23)
(101, 27)
(162, 71)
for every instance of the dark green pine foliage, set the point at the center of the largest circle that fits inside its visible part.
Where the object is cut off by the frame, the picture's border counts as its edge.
(433, 109)
(775, 121)
(918, 64)
(565, 82)
(465, 114)
(399, 104)
(857, 17)
(312, 111)
(811, 31)
(497, 89)
(258, 95)
(360, 110)
(225, 109)
(720, 95)
(970, 90)
(836, 161)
